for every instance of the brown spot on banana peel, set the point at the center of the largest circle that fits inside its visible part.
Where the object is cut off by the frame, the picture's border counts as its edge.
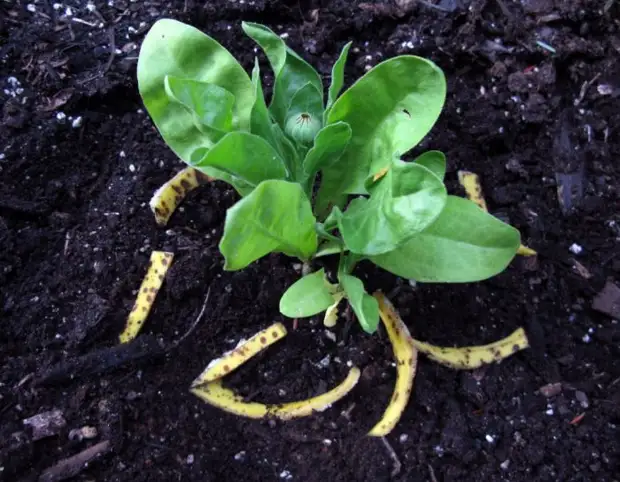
(247, 349)
(214, 393)
(167, 198)
(472, 357)
(405, 372)
(473, 189)
(160, 260)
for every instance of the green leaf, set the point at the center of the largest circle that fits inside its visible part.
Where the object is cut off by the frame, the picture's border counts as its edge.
(246, 157)
(434, 161)
(174, 49)
(275, 217)
(303, 118)
(211, 104)
(308, 296)
(390, 109)
(329, 144)
(337, 78)
(463, 244)
(291, 71)
(402, 203)
(260, 120)
(365, 307)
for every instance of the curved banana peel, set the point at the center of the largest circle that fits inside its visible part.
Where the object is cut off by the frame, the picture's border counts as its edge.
(168, 197)
(208, 386)
(406, 362)
(158, 266)
(406, 350)
(473, 189)
(245, 350)
(468, 358)
(217, 395)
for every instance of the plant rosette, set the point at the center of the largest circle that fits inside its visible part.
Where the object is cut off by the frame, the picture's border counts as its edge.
(317, 174)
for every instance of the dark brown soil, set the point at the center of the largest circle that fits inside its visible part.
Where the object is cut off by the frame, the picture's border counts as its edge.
(76, 233)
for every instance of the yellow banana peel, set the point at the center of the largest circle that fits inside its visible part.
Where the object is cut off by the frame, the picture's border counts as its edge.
(245, 350)
(473, 189)
(158, 266)
(468, 358)
(406, 362)
(214, 393)
(208, 386)
(168, 197)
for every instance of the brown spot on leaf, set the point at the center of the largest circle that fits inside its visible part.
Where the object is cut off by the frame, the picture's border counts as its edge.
(144, 309)
(177, 189)
(186, 184)
(395, 397)
(164, 261)
(149, 298)
(274, 334)
(226, 368)
(411, 362)
(161, 277)
(263, 340)
(145, 290)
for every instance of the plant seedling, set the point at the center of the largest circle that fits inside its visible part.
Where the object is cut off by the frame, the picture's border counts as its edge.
(320, 176)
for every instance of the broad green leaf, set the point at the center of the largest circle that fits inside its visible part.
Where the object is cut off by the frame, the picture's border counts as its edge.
(402, 203)
(246, 157)
(390, 109)
(291, 71)
(337, 78)
(463, 244)
(242, 187)
(308, 296)
(174, 49)
(263, 126)
(303, 118)
(275, 217)
(211, 104)
(329, 144)
(260, 120)
(365, 307)
(434, 161)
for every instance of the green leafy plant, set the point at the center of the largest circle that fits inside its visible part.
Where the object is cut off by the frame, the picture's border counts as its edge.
(320, 177)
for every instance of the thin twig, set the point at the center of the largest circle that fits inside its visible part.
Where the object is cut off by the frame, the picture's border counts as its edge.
(432, 473)
(72, 466)
(584, 88)
(397, 464)
(196, 321)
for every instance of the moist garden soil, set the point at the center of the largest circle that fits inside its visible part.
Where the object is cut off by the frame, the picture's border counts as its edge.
(80, 159)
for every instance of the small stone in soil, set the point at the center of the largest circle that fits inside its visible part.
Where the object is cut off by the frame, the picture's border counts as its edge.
(575, 248)
(240, 456)
(45, 424)
(608, 300)
(505, 464)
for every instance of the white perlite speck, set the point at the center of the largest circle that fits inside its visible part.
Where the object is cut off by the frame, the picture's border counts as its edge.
(489, 438)
(575, 248)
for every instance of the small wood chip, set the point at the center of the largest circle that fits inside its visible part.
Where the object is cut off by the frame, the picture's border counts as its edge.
(608, 300)
(72, 466)
(551, 389)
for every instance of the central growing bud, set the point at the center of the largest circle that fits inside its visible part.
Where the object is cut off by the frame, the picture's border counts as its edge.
(302, 127)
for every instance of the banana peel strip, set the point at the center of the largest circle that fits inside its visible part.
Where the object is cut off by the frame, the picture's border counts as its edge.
(468, 358)
(245, 350)
(168, 197)
(217, 395)
(473, 189)
(158, 266)
(406, 362)
(208, 386)
(331, 314)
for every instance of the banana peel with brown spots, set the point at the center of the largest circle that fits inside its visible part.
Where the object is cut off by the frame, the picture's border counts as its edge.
(155, 274)
(406, 350)
(208, 386)
(470, 181)
(168, 197)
